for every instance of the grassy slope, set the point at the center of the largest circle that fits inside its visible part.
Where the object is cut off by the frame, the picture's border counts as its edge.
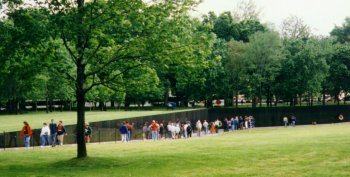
(321, 150)
(36, 119)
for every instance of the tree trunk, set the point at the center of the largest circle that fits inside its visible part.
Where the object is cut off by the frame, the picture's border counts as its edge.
(276, 101)
(324, 98)
(338, 100)
(254, 102)
(17, 107)
(80, 96)
(47, 105)
(61, 105)
(80, 81)
(113, 104)
(101, 105)
(237, 99)
(35, 106)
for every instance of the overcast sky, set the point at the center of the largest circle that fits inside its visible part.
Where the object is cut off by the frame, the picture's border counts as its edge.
(320, 15)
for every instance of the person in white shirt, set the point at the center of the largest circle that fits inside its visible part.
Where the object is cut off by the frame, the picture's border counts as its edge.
(169, 127)
(205, 126)
(45, 133)
(199, 128)
(185, 130)
(285, 120)
(173, 131)
(177, 131)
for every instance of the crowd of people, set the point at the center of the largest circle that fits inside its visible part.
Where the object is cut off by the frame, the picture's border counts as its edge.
(291, 121)
(184, 129)
(49, 133)
(53, 134)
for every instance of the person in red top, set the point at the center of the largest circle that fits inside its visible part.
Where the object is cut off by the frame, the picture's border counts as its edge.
(129, 127)
(26, 133)
(154, 130)
(61, 131)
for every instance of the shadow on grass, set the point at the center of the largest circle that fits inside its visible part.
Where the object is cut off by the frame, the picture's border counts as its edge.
(91, 162)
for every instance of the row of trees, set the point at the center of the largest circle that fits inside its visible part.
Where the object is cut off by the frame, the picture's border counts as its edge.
(133, 51)
(145, 52)
(288, 66)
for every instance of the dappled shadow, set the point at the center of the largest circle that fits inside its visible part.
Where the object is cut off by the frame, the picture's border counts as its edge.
(91, 162)
(71, 167)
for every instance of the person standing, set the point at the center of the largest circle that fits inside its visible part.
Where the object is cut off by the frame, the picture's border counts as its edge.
(161, 131)
(213, 128)
(158, 128)
(169, 128)
(173, 131)
(217, 124)
(154, 130)
(145, 131)
(199, 128)
(184, 129)
(61, 131)
(177, 130)
(293, 119)
(225, 125)
(236, 122)
(206, 127)
(189, 129)
(232, 123)
(245, 123)
(129, 126)
(241, 122)
(53, 132)
(26, 133)
(252, 122)
(124, 132)
(87, 132)
(45, 133)
(285, 120)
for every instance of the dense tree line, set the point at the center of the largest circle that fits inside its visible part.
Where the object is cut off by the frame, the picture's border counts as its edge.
(145, 55)
(292, 66)
(135, 51)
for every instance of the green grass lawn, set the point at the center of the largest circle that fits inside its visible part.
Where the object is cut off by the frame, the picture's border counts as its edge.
(321, 150)
(36, 119)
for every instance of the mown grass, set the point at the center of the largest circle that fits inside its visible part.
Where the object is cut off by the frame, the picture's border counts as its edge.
(321, 150)
(36, 119)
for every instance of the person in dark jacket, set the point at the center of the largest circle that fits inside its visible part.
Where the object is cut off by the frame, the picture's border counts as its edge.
(124, 132)
(225, 125)
(53, 131)
(189, 130)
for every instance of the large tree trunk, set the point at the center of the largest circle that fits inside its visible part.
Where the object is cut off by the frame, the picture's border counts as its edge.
(113, 104)
(80, 81)
(80, 96)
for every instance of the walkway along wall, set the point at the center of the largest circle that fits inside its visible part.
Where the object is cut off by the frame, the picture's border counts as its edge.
(108, 130)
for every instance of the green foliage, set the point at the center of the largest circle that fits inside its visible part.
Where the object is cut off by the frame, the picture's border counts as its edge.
(235, 66)
(304, 69)
(262, 60)
(339, 71)
(342, 33)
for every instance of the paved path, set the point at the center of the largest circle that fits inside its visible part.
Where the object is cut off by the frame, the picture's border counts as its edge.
(194, 135)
